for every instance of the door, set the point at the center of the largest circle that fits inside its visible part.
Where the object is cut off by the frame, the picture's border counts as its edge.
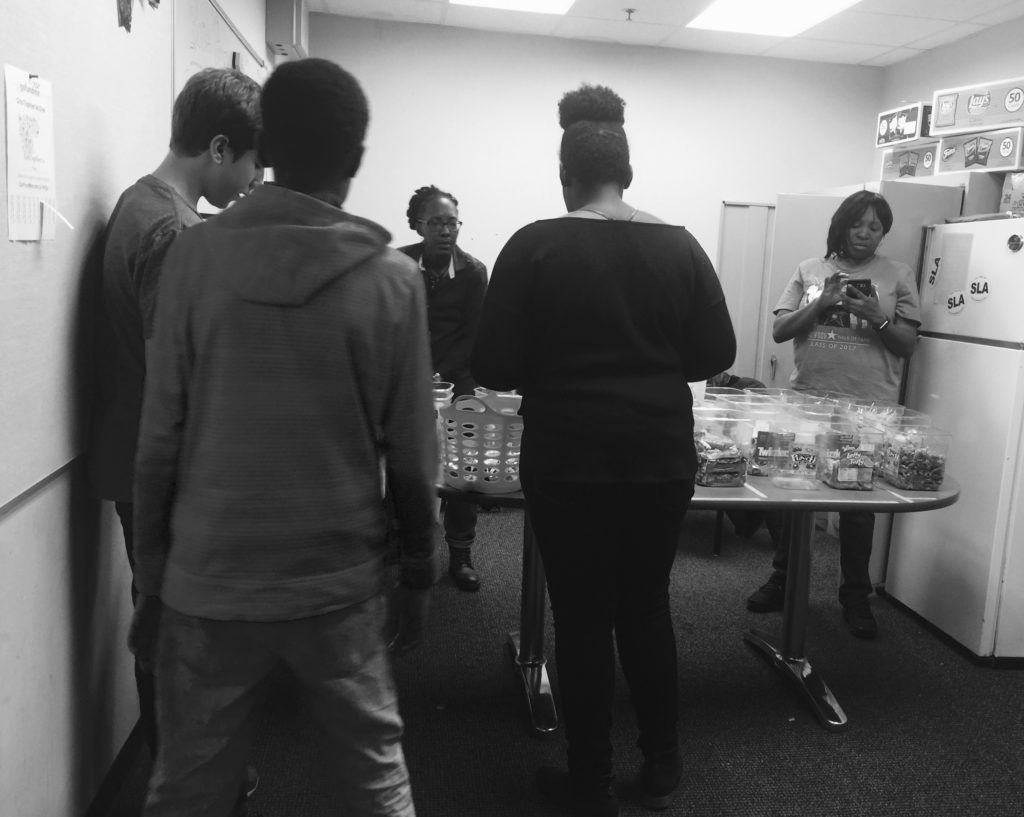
(742, 260)
(947, 565)
(801, 227)
(973, 281)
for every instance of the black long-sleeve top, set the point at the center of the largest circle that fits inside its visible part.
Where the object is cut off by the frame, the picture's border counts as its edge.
(453, 311)
(599, 325)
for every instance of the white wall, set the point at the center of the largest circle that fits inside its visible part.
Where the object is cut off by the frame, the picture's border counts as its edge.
(67, 692)
(67, 698)
(250, 18)
(994, 54)
(476, 113)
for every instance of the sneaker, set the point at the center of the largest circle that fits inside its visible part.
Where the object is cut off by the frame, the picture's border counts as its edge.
(859, 619)
(658, 781)
(558, 788)
(769, 597)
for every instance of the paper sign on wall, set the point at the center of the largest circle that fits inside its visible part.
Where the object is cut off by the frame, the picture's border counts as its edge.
(31, 176)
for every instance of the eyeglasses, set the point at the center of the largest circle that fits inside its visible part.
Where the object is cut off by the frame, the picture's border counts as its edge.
(436, 224)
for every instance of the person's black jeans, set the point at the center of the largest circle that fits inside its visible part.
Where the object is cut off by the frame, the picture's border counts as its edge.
(856, 533)
(608, 550)
(459, 518)
(143, 679)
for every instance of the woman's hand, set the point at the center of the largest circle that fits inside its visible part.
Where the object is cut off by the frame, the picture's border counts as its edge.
(832, 291)
(863, 306)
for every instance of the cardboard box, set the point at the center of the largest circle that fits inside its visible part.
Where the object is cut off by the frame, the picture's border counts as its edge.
(986, 106)
(911, 161)
(903, 124)
(1012, 200)
(988, 150)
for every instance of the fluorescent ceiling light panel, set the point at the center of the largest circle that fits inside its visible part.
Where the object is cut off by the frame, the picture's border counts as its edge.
(538, 6)
(780, 18)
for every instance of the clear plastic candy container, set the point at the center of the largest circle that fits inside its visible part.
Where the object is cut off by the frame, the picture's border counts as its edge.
(719, 420)
(807, 422)
(875, 414)
(776, 394)
(713, 393)
(847, 455)
(773, 444)
(719, 462)
(913, 457)
(719, 435)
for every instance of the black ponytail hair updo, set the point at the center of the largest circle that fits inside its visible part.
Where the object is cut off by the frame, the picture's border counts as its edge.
(594, 146)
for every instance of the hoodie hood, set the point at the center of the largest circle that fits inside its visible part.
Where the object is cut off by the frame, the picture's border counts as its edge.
(297, 245)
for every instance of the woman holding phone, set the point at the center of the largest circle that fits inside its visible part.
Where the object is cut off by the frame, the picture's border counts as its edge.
(852, 316)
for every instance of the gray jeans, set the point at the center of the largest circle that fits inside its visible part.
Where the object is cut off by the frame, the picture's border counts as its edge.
(209, 678)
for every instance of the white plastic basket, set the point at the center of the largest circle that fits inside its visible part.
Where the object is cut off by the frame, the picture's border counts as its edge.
(482, 438)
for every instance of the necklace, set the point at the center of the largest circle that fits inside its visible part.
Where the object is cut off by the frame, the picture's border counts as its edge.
(607, 217)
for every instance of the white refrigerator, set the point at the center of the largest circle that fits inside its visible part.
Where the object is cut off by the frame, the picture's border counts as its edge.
(962, 567)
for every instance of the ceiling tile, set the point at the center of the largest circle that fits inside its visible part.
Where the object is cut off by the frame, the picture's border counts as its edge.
(617, 31)
(1008, 11)
(877, 29)
(951, 34)
(821, 51)
(955, 10)
(662, 12)
(893, 57)
(410, 11)
(725, 42)
(517, 22)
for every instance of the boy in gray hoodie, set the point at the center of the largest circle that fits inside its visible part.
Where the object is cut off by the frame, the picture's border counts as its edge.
(289, 362)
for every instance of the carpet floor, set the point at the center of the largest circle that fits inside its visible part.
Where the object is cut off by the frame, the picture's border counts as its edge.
(932, 733)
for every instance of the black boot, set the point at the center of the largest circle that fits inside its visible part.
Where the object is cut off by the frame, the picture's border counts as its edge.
(460, 568)
(658, 781)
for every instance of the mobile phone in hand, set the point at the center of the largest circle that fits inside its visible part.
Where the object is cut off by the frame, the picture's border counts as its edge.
(862, 285)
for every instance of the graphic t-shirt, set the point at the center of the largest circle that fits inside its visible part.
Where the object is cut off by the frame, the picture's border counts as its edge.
(843, 353)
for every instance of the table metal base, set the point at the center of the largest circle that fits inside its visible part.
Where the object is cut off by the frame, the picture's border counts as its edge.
(539, 697)
(786, 652)
(799, 672)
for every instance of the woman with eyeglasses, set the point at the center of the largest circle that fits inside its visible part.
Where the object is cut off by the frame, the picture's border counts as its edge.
(455, 283)
(599, 318)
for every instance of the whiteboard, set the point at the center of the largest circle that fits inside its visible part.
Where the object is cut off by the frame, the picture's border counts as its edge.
(203, 39)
